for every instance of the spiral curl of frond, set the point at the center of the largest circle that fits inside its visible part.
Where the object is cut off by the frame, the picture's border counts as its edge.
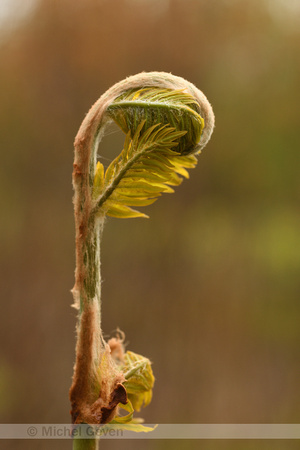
(166, 120)
(182, 106)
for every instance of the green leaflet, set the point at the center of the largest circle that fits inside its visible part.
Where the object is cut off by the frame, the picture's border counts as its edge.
(127, 422)
(98, 180)
(130, 426)
(146, 168)
(128, 417)
(139, 379)
(139, 382)
(114, 209)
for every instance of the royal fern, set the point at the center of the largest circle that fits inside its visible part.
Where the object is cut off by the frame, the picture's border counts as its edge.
(166, 121)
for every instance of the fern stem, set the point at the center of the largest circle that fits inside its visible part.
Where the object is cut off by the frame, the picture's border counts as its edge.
(85, 444)
(90, 344)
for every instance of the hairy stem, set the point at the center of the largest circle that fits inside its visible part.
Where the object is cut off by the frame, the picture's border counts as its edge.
(90, 343)
(95, 391)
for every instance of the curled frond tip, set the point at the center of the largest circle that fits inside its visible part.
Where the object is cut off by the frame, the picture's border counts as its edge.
(166, 120)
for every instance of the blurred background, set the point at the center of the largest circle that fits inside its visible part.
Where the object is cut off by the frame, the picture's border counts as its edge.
(208, 287)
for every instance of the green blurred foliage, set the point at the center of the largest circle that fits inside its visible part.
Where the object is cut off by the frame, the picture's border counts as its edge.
(216, 267)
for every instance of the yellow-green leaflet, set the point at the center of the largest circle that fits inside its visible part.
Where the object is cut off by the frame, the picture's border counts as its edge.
(139, 379)
(147, 166)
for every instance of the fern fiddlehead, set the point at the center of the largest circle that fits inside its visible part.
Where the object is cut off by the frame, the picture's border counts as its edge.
(167, 121)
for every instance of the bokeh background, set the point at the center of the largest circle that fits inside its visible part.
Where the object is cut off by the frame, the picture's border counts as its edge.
(208, 287)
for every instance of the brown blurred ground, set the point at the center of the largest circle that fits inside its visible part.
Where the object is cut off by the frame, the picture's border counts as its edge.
(208, 287)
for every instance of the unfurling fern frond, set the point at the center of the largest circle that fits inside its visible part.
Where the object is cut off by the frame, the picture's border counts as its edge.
(163, 129)
(167, 121)
(147, 167)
